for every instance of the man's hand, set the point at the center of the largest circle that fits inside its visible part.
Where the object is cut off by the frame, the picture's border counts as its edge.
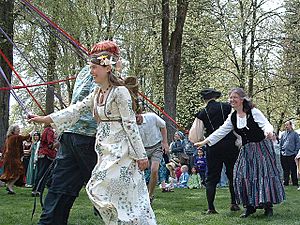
(143, 164)
(165, 147)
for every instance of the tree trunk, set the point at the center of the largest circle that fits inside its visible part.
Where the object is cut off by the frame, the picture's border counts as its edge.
(171, 49)
(52, 57)
(244, 46)
(6, 22)
(252, 50)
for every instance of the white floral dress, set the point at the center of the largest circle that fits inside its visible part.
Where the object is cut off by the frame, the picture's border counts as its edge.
(117, 187)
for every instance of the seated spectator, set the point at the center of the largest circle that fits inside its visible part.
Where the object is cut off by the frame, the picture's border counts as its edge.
(194, 179)
(177, 145)
(184, 177)
(168, 187)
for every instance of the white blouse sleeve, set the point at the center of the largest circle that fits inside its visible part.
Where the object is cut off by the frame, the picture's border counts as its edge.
(67, 117)
(221, 132)
(262, 121)
(124, 103)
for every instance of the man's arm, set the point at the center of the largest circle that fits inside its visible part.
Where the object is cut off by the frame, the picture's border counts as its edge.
(297, 142)
(164, 142)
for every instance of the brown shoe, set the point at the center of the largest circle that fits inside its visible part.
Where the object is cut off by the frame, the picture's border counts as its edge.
(151, 199)
(234, 207)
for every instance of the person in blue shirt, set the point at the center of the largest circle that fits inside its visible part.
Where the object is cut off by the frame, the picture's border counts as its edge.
(184, 177)
(289, 146)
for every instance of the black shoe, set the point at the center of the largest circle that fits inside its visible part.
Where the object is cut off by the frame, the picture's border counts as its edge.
(268, 212)
(10, 192)
(211, 211)
(35, 194)
(249, 210)
(234, 207)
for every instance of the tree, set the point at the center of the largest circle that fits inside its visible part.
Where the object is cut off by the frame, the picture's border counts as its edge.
(6, 23)
(171, 50)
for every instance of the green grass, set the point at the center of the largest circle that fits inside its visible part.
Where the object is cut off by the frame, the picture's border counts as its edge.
(183, 206)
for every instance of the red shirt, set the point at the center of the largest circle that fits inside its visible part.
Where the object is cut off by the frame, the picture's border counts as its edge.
(47, 142)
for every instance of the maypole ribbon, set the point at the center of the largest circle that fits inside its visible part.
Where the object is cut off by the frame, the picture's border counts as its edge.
(13, 93)
(37, 85)
(85, 50)
(55, 26)
(160, 109)
(48, 29)
(15, 46)
(13, 69)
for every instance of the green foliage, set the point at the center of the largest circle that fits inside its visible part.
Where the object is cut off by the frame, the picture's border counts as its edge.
(211, 51)
(186, 207)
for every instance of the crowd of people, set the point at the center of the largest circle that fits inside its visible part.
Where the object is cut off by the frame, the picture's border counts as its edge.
(119, 152)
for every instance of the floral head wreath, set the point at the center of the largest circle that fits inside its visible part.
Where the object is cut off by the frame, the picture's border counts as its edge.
(103, 59)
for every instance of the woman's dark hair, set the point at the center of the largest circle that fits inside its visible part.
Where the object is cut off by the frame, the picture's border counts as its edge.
(247, 103)
(37, 134)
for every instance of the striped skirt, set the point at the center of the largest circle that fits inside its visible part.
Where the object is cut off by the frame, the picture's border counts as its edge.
(256, 177)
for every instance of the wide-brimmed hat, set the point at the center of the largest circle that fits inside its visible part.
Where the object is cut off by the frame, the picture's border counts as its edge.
(171, 166)
(209, 93)
(176, 161)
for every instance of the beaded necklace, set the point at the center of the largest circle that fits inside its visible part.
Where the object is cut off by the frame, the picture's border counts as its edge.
(102, 92)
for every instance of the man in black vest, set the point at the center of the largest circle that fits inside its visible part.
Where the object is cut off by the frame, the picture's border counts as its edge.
(225, 151)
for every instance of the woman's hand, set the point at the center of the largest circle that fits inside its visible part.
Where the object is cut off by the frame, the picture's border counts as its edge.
(143, 164)
(40, 119)
(269, 135)
(201, 143)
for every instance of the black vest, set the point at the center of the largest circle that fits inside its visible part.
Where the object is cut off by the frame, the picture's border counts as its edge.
(252, 132)
(215, 118)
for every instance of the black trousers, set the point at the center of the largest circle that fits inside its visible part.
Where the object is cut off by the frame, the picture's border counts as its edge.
(74, 163)
(289, 168)
(42, 166)
(225, 152)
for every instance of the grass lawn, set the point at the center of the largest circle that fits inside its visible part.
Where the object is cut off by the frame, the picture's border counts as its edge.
(183, 206)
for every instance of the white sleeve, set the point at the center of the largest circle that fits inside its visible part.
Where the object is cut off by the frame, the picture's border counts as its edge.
(221, 132)
(261, 120)
(197, 131)
(160, 122)
(67, 117)
(124, 102)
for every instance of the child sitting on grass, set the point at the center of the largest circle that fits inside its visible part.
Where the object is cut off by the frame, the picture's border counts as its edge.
(194, 179)
(184, 177)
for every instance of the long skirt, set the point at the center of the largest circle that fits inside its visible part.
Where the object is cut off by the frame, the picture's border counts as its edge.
(118, 190)
(256, 176)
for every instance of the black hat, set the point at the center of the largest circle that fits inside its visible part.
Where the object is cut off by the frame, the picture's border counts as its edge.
(209, 93)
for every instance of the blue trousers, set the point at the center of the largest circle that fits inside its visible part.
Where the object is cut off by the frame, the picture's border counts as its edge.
(74, 163)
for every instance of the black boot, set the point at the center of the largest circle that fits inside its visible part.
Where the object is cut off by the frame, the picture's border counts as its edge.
(249, 210)
(268, 211)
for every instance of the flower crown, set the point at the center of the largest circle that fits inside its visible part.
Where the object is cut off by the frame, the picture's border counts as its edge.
(104, 59)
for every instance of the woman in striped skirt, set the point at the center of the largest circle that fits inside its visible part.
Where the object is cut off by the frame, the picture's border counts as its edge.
(256, 178)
